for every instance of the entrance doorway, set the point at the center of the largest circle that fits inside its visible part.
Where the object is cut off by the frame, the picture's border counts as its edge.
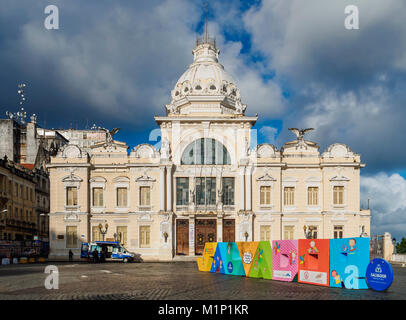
(205, 231)
(229, 230)
(182, 237)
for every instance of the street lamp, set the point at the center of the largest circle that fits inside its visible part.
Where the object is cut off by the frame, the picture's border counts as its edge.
(103, 232)
(309, 234)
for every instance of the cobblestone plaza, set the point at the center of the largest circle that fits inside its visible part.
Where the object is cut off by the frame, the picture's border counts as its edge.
(168, 281)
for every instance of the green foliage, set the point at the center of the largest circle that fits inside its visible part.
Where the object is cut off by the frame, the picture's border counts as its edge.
(401, 246)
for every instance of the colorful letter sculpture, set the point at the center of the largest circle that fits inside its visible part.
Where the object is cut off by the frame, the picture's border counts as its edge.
(324, 262)
(218, 262)
(314, 261)
(285, 256)
(232, 260)
(204, 263)
(262, 264)
(247, 253)
(349, 259)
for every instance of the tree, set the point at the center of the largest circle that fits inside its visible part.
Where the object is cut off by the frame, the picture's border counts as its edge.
(401, 246)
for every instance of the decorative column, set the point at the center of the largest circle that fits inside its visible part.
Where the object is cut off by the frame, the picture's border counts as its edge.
(219, 228)
(162, 189)
(169, 188)
(242, 187)
(191, 235)
(248, 190)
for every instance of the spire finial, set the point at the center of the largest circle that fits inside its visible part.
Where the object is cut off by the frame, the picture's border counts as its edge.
(205, 38)
(206, 34)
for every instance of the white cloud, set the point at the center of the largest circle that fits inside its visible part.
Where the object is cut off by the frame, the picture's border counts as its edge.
(348, 85)
(387, 194)
(269, 133)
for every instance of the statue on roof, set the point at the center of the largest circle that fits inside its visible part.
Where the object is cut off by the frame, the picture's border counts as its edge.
(301, 143)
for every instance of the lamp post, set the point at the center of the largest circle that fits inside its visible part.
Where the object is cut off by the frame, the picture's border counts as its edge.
(103, 232)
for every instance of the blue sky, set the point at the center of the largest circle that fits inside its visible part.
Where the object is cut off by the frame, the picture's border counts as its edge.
(115, 64)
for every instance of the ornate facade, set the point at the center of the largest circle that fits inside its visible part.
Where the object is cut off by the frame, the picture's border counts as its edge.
(206, 183)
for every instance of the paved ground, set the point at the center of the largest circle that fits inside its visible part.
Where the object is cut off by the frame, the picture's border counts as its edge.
(173, 281)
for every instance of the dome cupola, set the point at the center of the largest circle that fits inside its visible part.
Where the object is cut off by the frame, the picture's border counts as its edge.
(205, 83)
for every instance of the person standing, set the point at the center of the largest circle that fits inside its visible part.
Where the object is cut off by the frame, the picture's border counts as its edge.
(95, 256)
(70, 255)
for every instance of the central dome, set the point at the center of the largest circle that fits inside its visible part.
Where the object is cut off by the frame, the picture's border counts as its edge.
(206, 81)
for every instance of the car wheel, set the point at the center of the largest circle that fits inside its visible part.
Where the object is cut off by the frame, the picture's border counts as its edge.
(125, 260)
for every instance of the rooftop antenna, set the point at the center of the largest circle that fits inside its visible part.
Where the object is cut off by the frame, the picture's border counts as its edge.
(20, 115)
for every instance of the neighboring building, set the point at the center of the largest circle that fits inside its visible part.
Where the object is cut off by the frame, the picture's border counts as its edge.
(27, 143)
(18, 217)
(84, 139)
(25, 149)
(205, 183)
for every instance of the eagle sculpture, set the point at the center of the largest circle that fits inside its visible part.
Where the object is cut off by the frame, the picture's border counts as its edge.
(301, 143)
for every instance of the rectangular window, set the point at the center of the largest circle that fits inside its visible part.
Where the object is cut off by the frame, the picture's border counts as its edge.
(205, 191)
(121, 197)
(145, 196)
(312, 196)
(71, 237)
(228, 191)
(182, 191)
(71, 196)
(265, 233)
(145, 235)
(265, 196)
(122, 235)
(96, 234)
(338, 195)
(289, 196)
(288, 233)
(338, 232)
(97, 197)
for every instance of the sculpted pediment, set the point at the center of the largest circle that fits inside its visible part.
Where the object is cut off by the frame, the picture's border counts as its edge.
(267, 150)
(266, 177)
(144, 151)
(338, 150)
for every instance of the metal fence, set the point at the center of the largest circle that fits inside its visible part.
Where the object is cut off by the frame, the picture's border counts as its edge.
(376, 249)
(17, 249)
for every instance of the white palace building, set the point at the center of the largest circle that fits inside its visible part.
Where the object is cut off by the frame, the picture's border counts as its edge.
(205, 183)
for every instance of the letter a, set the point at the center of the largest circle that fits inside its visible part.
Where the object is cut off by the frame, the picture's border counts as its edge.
(352, 20)
(52, 21)
(52, 281)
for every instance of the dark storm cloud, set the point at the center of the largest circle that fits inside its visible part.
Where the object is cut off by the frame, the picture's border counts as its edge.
(349, 85)
(110, 62)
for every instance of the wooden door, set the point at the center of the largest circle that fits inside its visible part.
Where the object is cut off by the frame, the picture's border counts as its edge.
(182, 237)
(228, 230)
(205, 231)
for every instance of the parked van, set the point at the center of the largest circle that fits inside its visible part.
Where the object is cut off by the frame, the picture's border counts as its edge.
(108, 251)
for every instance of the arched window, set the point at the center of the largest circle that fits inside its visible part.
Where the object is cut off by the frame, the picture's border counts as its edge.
(205, 151)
